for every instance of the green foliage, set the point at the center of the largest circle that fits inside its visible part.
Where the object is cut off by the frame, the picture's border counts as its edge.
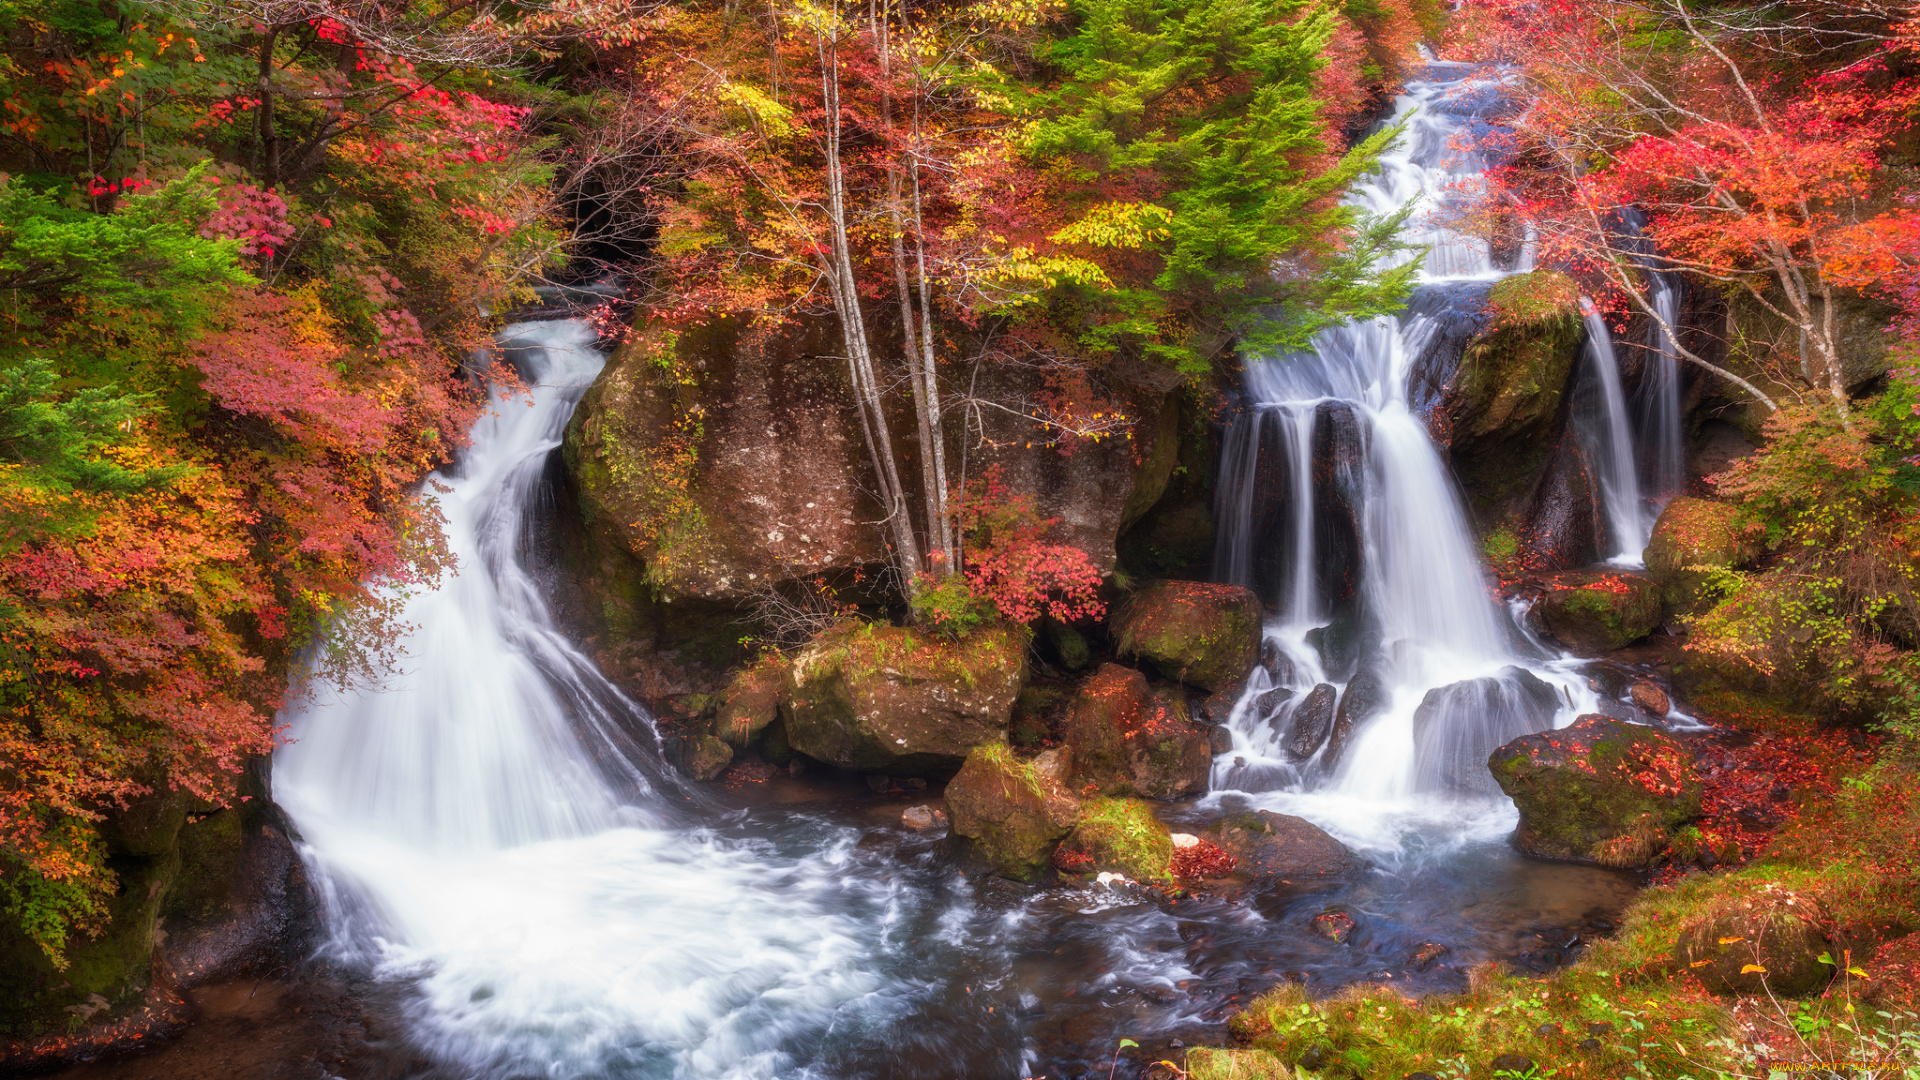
(948, 605)
(54, 911)
(55, 448)
(1209, 109)
(147, 254)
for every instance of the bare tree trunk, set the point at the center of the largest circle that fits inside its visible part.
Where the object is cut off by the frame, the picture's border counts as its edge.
(926, 401)
(846, 297)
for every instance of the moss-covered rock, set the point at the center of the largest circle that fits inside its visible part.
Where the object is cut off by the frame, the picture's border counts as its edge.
(1118, 835)
(1595, 611)
(1504, 402)
(1599, 791)
(751, 701)
(1008, 813)
(1265, 844)
(889, 699)
(1124, 739)
(1758, 939)
(708, 757)
(1693, 538)
(1200, 633)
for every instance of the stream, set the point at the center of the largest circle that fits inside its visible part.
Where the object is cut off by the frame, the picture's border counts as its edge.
(516, 885)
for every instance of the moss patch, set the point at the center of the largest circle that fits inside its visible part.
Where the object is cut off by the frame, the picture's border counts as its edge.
(1120, 835)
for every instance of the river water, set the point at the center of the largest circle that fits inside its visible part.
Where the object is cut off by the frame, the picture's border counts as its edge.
(495, 834)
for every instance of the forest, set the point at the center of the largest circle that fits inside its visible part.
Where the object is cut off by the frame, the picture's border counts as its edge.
(1167, 538)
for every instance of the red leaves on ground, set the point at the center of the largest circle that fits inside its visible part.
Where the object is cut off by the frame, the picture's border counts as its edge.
(1202, 860)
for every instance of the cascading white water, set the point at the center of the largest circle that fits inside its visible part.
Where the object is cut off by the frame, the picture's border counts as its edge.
(1353, 496)
(483, 826)
(1629, 518)
(1663, 469)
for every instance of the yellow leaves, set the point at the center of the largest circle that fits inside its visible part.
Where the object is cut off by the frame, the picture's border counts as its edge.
(1731, 940)
(1118, 225)
(1026, 274)
(775, 119)
(1752, 968)
(1700, 963)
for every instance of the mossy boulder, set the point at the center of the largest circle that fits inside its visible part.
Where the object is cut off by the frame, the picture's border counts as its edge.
(1201, 633)
(1600, 791)
(1269, 845)
(1118, 835)
(1124, 739)
(1596, 611)
(1756, 939)
(889, 699)
(1503, 404)
(708, 757)
(1008, 813)
(1693, 538)
(751, 701)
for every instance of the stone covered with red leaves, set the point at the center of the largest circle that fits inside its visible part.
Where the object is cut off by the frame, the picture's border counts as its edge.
(1601, 791)
(1693, 538)
(1123, 739)
(1201, 633)
(1594, 611)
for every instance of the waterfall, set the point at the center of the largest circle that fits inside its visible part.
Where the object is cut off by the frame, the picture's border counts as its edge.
(1610, 437)
(484, 826)
(1335, 505)
(1663, 468)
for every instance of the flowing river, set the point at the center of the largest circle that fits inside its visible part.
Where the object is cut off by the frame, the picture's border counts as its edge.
(496, 837)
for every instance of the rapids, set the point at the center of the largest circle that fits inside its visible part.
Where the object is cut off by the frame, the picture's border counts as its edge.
(494, 832)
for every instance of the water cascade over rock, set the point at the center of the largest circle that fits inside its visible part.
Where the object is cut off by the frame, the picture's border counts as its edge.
(1393, 673)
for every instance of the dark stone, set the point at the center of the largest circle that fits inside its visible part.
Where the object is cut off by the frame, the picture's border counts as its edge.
(1427, 955)
(1340, 644)
(1515, 1064)
(1278, 665)
(1219, 739)
(1562, 521)
(1596, 611)
(1010, 814)
(1311, 720)
(878, 782)
(1069, 645)
(1340, 440)
(1692, 537)
(1124, 739)
(1458, 725)
(1365, 697)
(1266, 845)
(1599, 791)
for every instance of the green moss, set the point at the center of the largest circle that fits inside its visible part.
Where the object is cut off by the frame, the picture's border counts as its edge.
(1124, 836)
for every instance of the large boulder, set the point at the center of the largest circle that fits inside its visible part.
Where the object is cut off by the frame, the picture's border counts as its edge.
(1503, 405)
(1456, 726)
(725, 456)
(1200, 633)
(1366, 696)
(1008, 812)
(1693, 538)
(1119, 835)
(1309, 723)
(1599, 791)
(1124, 739)
(888, 699)
(1269, 845)
(1596, 611)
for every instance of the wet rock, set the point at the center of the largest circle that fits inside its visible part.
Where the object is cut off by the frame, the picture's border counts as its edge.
(1562, 521)
(1123, 739)
(1117, 836)
(1366, 696)
(1693, 538)
(707, 757)
(1275, 661)
(1311, 720)
(1758, 939)
(1427, 955)
(1267, 703)
(1204, 634)
(888, 699)
(1651, 698)
(751, 701)
(1336, 925)
(923, 818)
(1009, 814)
(1600, 791)
(877, 782)
(1456, 726)
(1219, 739)
(1340, 439)
(1217, 708)
(1341, 644)
(1596, 611)
(1268, 845)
